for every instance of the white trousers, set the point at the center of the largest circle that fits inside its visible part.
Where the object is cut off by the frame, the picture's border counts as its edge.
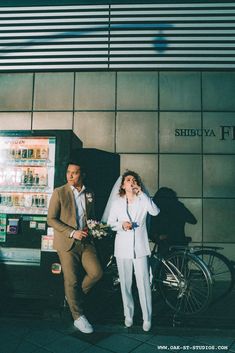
(125, 270)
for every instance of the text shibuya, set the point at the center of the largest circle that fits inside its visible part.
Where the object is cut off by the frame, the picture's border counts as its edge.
(226, 132)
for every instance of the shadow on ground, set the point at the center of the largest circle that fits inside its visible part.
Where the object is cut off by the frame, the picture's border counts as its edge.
(104, 308)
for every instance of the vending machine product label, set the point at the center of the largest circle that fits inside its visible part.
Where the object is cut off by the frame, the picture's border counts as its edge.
(32, 224)
(47, 243)
(41, 226)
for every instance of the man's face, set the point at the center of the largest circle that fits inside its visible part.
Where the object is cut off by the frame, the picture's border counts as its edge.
(73, 175)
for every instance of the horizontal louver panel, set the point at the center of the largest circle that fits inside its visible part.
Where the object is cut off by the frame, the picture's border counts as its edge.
(173, 36)
(134, 36)
(54, 37)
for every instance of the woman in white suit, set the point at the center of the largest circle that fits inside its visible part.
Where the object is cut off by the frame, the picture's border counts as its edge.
(127, 217)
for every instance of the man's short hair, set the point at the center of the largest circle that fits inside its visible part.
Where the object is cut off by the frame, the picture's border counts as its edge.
(77, 163)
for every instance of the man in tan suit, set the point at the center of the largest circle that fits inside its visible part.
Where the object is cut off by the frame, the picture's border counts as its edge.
(70, 207)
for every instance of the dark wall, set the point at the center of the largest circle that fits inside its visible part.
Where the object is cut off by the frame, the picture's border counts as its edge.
(102, 170)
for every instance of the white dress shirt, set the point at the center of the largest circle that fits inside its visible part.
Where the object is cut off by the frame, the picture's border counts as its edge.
(80, 204)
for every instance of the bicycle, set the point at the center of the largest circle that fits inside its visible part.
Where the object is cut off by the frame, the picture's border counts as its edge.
(182, 278)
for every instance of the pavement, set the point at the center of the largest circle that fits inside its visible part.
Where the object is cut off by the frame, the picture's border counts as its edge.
(39, 327)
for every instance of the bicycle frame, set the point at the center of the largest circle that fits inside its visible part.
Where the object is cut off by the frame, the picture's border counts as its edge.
(168, 265)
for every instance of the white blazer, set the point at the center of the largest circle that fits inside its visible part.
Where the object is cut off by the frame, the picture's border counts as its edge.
(131, 243)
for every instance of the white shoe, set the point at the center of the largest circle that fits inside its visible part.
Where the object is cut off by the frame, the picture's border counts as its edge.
(147, 326)
(83, 325)
(128, 322)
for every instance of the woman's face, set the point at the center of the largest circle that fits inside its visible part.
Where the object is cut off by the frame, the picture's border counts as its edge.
(129, 183)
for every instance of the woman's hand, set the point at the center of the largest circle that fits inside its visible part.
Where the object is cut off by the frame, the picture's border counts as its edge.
(127, 225)
(136, 190)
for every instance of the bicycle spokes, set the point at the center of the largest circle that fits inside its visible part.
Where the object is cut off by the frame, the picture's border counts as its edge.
(185, 283)
(222, 272)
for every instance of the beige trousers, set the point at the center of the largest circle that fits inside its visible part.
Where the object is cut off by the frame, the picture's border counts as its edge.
(72, 262)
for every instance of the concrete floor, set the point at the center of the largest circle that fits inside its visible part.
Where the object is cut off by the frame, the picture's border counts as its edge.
(36, 326)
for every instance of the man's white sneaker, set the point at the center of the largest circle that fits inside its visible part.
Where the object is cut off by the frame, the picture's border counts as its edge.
(83, 325)
(128, 322)
(147, 326)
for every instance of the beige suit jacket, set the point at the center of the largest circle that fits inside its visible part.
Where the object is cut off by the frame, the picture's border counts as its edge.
(62, 215)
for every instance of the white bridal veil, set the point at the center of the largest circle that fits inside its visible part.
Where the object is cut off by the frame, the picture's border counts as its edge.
(115, 195)
(112, 197)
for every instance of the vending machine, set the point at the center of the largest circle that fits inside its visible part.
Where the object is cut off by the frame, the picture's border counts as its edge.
(32, 164)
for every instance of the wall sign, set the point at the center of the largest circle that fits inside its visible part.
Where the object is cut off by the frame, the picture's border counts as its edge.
(226, 132)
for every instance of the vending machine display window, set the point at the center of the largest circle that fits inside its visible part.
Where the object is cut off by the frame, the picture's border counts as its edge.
(26, 174)
(27, 167)
(32, 164)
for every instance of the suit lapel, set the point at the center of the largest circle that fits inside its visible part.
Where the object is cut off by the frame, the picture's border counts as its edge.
(141, 211)
(71, 202)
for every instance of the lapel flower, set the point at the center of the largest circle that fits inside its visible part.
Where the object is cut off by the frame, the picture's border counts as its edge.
(89, 197)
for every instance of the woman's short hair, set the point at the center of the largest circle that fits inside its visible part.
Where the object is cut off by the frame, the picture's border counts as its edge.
(122, 192)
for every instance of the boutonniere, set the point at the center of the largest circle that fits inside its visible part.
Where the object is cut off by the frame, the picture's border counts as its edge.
(89, 197)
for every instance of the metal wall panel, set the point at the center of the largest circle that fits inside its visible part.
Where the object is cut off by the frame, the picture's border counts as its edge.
(128, 36)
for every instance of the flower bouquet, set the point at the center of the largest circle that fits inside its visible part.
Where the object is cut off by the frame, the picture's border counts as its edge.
(98, 230)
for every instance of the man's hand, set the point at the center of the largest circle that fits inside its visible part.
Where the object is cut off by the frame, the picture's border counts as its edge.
(79, 234)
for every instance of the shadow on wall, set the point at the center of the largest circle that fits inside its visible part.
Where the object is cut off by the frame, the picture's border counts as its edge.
(159, 41)
(168, 227)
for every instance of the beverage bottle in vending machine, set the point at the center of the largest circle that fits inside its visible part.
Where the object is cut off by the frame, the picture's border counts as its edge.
(22, 201)
(36, 179)
(17, 153)
(24, 153)
(37, 153)
(30, 177)
(43, 180)
(41, 201)
(16, 200)
(44, 153)
(24, 177)
(30, 153)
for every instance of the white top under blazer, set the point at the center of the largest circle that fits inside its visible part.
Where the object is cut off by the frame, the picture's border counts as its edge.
(131, 243)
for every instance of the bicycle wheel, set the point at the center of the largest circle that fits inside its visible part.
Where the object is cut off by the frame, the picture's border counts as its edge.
(185, 283)
(222, 272)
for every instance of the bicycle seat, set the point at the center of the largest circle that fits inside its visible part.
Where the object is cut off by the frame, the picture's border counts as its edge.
(178, 247)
